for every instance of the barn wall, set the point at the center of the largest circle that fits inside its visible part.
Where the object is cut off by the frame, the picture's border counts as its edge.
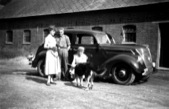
(112, 22)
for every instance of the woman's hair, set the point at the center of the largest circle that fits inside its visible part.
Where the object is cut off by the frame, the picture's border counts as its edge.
(52, 27)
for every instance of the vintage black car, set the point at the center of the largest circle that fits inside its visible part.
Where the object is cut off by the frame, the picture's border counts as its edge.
(123, 63)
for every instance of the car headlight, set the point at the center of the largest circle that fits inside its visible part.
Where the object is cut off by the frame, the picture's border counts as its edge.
(154, 64)
(140, 59)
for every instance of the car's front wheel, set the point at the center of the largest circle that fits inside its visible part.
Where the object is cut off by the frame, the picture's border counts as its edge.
(41, 67)
(123, 74)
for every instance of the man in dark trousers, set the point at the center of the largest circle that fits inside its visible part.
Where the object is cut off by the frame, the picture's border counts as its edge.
(63, 43)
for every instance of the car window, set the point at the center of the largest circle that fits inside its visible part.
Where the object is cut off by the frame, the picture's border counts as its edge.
(111, 39)
(80, 38)
(85, 39)
(103, 38)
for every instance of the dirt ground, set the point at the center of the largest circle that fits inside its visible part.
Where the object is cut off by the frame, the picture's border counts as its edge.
(24, 89)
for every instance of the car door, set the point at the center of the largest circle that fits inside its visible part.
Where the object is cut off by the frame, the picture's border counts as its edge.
(94, 52)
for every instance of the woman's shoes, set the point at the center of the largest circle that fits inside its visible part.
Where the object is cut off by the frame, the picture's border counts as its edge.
(53, 83)
(48, 84)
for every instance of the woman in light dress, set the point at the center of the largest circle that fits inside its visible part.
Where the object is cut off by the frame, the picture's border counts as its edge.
(52, 62)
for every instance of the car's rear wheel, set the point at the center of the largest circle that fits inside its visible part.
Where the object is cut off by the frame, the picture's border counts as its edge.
(123, 74)
(41, 67)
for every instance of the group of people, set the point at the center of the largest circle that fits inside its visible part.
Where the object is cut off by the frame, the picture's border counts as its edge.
(56, 63)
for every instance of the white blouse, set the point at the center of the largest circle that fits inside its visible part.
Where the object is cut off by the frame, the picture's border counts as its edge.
(79, 59)
(50, 42)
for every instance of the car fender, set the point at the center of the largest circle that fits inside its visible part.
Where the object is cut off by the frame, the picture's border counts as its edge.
(130, 60)
(40, 55)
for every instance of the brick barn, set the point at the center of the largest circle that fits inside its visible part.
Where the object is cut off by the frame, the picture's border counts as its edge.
(23, 23)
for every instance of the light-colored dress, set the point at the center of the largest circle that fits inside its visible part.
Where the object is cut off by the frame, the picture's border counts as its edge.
(52, 63)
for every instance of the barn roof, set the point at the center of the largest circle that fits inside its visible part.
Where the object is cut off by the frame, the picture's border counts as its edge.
(26, 8)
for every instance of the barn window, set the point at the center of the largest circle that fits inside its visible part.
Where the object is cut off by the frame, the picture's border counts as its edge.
(129, 33)
(9, 37)
(27, 37)
(98, 28)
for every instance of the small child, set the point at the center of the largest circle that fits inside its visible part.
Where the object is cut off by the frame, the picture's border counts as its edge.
(78, 58)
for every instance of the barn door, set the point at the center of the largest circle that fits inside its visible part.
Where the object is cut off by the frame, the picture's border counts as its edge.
(164, 53)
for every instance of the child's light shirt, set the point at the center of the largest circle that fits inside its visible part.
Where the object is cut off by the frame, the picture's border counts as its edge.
(77, 59)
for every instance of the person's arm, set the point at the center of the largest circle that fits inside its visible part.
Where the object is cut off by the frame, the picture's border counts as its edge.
(46, 44)
(68, 47)
(74, 61)
(68, 42)
(87, 59)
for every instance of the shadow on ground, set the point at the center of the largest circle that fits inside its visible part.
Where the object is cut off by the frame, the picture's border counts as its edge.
(74, 85)
(26, 72)
(36, 79)
(31, 75)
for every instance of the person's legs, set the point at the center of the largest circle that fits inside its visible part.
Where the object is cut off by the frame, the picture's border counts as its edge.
(64, 61)
(61, 63)
(49, 79)
(58, 76)
(52, 79)
(77, 81)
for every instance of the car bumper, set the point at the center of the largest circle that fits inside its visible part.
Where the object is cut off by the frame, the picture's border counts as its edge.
(148, 71)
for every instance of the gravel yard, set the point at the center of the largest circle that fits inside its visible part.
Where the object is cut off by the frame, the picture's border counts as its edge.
(23, 88)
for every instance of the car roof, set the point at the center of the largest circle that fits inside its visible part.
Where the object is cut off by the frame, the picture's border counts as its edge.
(83, 31)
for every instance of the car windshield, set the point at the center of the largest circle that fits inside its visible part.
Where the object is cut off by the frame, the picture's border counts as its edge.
(103, 39)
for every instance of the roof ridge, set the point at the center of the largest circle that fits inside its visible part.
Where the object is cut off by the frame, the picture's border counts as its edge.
(24, 8)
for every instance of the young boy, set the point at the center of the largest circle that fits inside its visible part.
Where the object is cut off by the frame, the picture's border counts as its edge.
(79, 58)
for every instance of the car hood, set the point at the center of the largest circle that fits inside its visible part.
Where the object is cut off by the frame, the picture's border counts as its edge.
(122, 46)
